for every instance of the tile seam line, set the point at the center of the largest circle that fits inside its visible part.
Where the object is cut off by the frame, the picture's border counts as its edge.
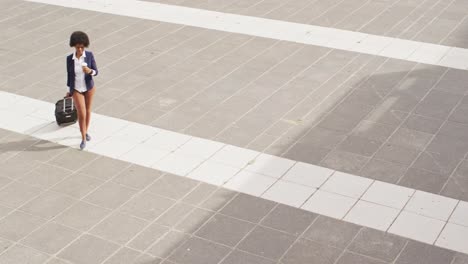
(383, 63)
(421, 15)
(160, 54)
(211, 84)
(382, 98)
(279, 7)
(15, 16)
(155, 221)
(347, 246)
(319, 104)
(45, 25)
(130, 91)
(149, 99)
(209, 157)
(378, 15)
(305, 116)
(424, 149)
(245, 87)
(33, 53)
(50, 189)
(254, 227)
(151, 222)
(22, 75)
(446, 223)
(286, 4)
(130, 162)
(105, 66)
(214, 20)
(448, 117)
(34, 18)
(433, 19)
(93, 27)
(291, 79)
(321, 14)
(148, 223)
(94, 16)
(278, 90)
(186, 77)
(13, 7)
(312, 64)
(300, 236)
(110, 213)
(75, 202)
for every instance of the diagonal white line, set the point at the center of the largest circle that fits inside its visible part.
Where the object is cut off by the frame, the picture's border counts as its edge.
(396, 48)
(404, 211)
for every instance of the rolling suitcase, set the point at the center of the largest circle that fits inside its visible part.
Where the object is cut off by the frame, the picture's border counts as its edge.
(65, 111)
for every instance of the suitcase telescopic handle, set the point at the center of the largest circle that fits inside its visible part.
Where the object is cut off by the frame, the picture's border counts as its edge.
(65, 102)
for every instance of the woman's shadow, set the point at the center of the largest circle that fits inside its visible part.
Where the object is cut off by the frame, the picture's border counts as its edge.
(31, 143)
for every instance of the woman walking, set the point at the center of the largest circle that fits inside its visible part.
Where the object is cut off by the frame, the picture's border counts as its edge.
(81, 67)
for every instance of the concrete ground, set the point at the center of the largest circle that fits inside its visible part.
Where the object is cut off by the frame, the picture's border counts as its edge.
(396, 121)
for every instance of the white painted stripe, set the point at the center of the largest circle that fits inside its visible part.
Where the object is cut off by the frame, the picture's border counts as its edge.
(410, 213)
(396, 48)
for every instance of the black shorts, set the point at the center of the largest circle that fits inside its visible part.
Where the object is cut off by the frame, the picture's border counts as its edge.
(83, 93)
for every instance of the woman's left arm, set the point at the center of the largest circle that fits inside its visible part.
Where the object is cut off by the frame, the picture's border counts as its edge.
(94, 66)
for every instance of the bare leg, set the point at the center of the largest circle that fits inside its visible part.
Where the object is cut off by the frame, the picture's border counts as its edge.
(88, 102)
(79, 100)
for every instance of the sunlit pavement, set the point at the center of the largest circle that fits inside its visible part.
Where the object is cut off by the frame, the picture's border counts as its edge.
(228, 147)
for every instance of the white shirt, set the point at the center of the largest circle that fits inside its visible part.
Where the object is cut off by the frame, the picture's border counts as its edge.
(80, 84)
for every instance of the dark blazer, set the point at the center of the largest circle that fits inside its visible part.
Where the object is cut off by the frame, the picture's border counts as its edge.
(89, 59)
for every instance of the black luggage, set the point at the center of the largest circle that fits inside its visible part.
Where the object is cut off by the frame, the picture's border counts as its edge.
(65, 111)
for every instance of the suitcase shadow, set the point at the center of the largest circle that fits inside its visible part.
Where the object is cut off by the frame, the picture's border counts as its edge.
(35, 144)
(30, 145)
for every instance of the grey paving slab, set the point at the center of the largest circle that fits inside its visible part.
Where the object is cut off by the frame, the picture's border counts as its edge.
(198, 251)
(127, 225)
(416, 252)
(41, 239)
(88, 249)
(354, 258)
(457, 184)
(174, 214)
(147, 206)
(72, 216)
(332, 232)
(383, 246)
(240, 257)
(430, 21)
(259, 104)
(424, 180)
(280, 219)
(379, 118)
(382, 170)
(126, 255)
(110, 195)
(225, 230)
(306, 251)
(77, 185)
(172, 187)
(17, 225)
(219, 226)
(248, 208)
(267, 242)
(22, 254)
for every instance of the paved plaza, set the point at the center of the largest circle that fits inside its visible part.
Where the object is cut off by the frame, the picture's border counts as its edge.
(238, 132)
